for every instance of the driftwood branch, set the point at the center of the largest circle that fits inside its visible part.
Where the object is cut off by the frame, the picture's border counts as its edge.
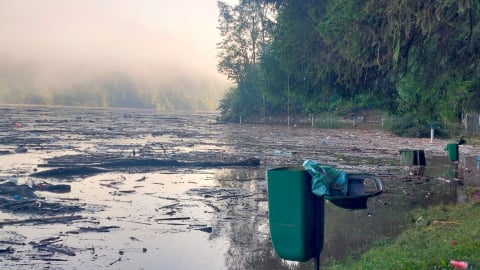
(173, 218)
(55, 219)
(134, 162)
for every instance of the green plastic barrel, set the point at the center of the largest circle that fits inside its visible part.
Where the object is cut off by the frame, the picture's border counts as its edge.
(413, 157)
(407, 156)
(296, 216)
(452, 149)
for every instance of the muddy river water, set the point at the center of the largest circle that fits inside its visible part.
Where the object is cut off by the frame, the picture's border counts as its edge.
(207, 216)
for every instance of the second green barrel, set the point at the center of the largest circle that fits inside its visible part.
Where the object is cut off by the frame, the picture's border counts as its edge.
(452, 149)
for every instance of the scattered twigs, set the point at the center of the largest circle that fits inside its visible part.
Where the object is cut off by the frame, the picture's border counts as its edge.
(50, 246)
(58, 249)
(168, 206)
(45, 242)
(117, 260)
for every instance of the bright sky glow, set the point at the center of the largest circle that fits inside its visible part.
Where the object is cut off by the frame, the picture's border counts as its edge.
(142, 37)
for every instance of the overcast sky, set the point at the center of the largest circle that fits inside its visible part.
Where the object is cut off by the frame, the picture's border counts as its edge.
(87, 36)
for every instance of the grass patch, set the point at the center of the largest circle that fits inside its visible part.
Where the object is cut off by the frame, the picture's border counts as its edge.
(330, 121)
(433, 238)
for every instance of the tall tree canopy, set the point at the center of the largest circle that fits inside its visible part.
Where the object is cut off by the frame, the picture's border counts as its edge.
(417, 57)
(245, 30)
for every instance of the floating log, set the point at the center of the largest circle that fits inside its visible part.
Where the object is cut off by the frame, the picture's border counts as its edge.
(41, 220)
(175, 163)
(93, 229)
(132, 162)
(69, 171)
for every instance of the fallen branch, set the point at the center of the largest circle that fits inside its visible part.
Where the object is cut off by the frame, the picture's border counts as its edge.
(55, 249)
(48, 259)
(70, 171)
(168, 206)
(48, 245)
(133, 162)
(12, 243)
(175, 163)
(92, 229)
(173, 218)
(41, 220)
(7, 250)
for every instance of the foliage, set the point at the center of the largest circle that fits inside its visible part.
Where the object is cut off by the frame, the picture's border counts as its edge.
(245, 100)
(411, 125)
(415, 59)
(245, 30)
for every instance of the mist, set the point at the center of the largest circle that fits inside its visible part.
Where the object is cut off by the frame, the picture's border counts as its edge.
(52, 51)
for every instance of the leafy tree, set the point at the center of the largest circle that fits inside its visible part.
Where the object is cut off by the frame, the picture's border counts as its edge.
(419, 59)
(246, 32)
(244, 29)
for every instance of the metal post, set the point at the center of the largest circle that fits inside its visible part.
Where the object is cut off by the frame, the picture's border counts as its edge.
(432, 131)
(316, 263)
(319, 207)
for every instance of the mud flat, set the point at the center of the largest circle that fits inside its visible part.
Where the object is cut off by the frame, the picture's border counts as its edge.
(179, 190)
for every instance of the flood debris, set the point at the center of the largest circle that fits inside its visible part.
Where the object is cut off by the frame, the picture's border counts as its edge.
(36, 206)
(6, 242)
(228, 201)
(205, 229)
(220, 193)
(141, 179)
(117, 260)
(21, 149)
(75, 171)
(172, 218)
(100, 229)
(122, 164)
(55, 188)
(21, 198)
(43, 220)
(48, 245)
(20, 191)
(121, 192)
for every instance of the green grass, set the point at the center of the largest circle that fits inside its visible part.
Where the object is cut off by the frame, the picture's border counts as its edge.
(434, 237)
(330, 122)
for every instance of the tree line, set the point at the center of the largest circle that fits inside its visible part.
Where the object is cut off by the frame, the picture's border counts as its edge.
(415, 59)
(116, 90)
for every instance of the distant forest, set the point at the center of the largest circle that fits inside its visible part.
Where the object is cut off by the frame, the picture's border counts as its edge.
(113, 90)
(418, 60)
